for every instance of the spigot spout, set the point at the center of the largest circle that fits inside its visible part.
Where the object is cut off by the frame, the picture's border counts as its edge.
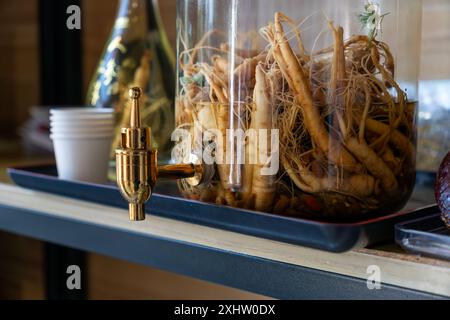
(176, 171)
(136, 163)
(137, 211)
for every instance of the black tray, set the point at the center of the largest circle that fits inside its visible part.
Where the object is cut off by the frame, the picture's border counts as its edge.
(166, 202)
(428, 236)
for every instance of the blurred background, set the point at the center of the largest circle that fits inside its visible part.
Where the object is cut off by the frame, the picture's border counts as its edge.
(39, 61)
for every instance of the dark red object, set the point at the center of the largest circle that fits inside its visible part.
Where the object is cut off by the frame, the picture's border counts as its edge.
(312, 203)
(442, 189)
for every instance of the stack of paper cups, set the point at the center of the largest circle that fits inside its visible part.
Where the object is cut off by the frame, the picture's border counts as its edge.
(82, 141)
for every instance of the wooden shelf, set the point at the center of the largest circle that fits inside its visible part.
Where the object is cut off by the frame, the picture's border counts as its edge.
(219, 256)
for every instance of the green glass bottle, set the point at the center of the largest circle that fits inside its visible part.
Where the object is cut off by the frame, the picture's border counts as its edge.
(137, 54)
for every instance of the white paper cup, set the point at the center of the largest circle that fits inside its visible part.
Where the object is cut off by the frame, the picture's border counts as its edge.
(82, 129)
(81, 111)
(81, 117)
(82, 158)
(82, 122)
(80, 114)
(81, 135)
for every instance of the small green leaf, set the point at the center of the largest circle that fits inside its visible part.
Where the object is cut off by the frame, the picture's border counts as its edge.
(196, 78)
(371, 19)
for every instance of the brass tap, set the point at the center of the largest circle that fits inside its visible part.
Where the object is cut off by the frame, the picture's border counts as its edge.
(137, 165)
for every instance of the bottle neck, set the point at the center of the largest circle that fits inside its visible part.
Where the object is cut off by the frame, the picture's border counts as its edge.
(138, 19)
(141, 12)
(153, 14)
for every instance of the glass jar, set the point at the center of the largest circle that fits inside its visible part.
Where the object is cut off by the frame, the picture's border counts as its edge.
(305, 108)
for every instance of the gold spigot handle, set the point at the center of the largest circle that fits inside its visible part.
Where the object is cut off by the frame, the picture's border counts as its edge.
(135, 119)
(137, 165)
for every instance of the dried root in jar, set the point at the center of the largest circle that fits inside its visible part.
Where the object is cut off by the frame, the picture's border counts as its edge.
(345, 126)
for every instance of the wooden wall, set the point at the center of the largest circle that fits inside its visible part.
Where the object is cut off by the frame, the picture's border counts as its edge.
(19, 70)
(21, 265)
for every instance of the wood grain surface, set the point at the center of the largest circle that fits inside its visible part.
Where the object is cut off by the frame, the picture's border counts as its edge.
(19, 70)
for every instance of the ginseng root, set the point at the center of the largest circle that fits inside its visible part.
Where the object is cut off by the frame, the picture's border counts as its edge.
(263, 183)
(295, 76)
(346, 127)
